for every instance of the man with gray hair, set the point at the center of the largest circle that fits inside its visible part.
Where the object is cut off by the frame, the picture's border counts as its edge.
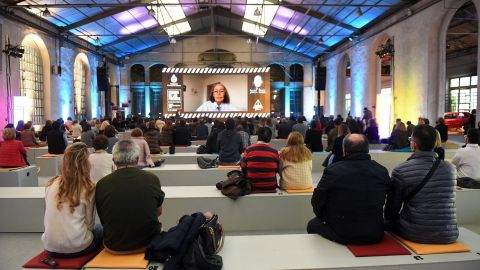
(129, 202)
(348, 201)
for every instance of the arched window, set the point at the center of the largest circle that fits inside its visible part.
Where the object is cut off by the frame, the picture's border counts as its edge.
(80, 89)
(156, 72)
(137, 73)
(31, 79)
(277, 73)
(461, 60)
(277, 86)
(296, 73)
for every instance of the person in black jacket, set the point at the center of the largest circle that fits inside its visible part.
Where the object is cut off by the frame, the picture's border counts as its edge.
(348, 201)
(229, 144)
(182, 135)
(313, 138)
(284, 129)
(212, 138)
(56, 139)
(442, 128)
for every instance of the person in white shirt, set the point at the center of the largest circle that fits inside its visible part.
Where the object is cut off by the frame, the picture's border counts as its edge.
(467, 160)
(70, 208)
(219, 101)
(101, 162)
(76, 129)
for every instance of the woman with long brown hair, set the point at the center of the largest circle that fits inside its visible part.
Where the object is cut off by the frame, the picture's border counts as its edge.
(296, 164)
(70, 208)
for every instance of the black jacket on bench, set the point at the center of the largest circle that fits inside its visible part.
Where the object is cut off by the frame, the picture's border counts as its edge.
(349, 199)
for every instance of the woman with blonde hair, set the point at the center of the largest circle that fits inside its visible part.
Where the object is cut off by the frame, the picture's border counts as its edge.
(296, 164)
(70, 208)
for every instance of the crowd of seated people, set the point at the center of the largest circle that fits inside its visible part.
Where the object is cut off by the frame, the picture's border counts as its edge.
(354, 202)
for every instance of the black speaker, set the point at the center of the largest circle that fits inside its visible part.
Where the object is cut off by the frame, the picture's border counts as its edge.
(321, 78)
(102, 79)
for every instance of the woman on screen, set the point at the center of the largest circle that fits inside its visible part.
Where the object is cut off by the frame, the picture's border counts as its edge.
(219, 101)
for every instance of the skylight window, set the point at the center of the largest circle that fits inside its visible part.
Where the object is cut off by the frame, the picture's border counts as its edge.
(259, 16)
(166, 14)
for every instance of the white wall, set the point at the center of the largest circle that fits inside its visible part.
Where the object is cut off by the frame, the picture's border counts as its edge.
(419, 79)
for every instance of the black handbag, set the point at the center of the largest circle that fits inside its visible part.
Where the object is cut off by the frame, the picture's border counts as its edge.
(206, 163)
(202, 149)
(196, 259)
(211, 236)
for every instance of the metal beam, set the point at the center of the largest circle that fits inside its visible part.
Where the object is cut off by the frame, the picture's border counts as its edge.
(100, 16)
(158, 29)
(320, 16)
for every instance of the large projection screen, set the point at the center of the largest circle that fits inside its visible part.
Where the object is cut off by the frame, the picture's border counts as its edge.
(190, 90)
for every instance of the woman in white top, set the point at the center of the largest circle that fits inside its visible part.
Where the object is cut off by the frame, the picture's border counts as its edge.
(70, 208)
(219, 101)
(76, 129)
(101, 162)
(296, 164)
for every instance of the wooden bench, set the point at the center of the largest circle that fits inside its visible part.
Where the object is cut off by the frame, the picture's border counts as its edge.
(19, 177)
(23, 209)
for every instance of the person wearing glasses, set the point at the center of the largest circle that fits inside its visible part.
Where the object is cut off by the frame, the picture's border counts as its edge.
(219, 101)
(409, 202)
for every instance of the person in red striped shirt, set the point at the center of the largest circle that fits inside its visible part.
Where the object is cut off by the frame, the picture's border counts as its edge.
(260, 163)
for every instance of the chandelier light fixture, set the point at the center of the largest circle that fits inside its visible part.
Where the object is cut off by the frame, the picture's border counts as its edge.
(385, 50)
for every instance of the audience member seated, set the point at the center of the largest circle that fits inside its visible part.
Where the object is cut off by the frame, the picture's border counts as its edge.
(229, 144)
(43, 134)
(332, 134)
(467, 159)
(295, 164)
(88, 135)
(27, 136)
(152, 136)
(371, 132)
(244, 135)
(442, 128)
(160, 124)
(260, 163)
(410, 128)
(100, 161)
(70, 208)
(211, 144)
(399, 137)
(284, 129)
(129, 202)
(438, 146)
(76, 130)
(300, 126)
(166, 135)
(313, 138)
(271, 125)
(201, 130)
(144, 158)
(12, 152)
(20, 126)
(56, 139)
(181, 134)
(337, 149)
(429, 216)
(348, 201)
(110, 132)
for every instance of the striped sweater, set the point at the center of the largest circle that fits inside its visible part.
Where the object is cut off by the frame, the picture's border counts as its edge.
(260, 164)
